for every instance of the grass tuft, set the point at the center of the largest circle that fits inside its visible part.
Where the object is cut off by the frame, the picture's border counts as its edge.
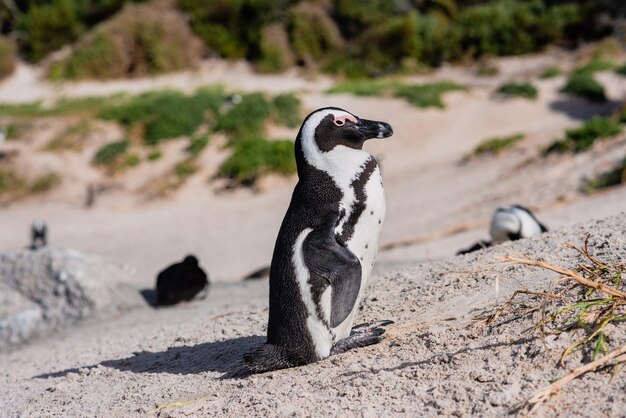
(111, 153)
(613, 177)
(551, 72)
(582, 138)
(497, 145)
(584, 85)
(253, 157)
(420, 95)
(525, 90)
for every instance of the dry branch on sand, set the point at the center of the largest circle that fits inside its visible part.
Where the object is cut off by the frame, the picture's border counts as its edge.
(615, 357)
(572, 307)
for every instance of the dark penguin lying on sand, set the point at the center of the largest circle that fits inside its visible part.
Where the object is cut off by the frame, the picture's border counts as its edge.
(510, 224)
(181, 282)
(326, 246)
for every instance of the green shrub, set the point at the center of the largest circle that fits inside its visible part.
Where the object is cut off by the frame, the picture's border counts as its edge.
(197, 144)
(45, 182)
(166, 114)
(613, 177)
(140, 40)
(155, 155)
(246, 118)
(110, 153)
(314, 35)
(621, 70)
(551, 72)
(560, 146)
(582, 84)
(420, 95)
(7, 57)
(186, 168)
(48, 27)
(363, 87)
(512, 89)
(426, 95)
(132, 160)
(10, 181)
(595, 65)
(582, 138)
(286, 110)
(497, 145)
(253, 157)
(275, 50)
(596, 128)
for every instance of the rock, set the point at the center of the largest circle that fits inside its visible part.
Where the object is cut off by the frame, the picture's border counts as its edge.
(46, 289)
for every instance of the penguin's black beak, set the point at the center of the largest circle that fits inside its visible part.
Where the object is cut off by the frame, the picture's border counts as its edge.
(373, 129)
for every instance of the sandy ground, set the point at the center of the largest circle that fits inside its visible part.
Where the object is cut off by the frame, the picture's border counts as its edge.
(436, 360)
(436, 205)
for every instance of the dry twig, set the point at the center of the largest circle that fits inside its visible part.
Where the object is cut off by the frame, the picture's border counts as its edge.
(619, 355)
(569, 273)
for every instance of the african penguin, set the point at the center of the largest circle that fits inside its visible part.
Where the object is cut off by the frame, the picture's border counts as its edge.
(514, 222)
(181, 282)
(38, 235)
(326, 245)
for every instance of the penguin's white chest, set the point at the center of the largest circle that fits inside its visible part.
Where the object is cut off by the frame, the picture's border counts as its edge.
(364, 241)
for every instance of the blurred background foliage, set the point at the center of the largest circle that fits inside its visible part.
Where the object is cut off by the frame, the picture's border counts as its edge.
(122, 38)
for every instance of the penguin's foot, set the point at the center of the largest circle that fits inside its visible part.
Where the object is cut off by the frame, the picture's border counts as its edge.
(361, 335)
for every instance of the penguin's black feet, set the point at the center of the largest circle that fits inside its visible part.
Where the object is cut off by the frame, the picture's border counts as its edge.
(361, 335)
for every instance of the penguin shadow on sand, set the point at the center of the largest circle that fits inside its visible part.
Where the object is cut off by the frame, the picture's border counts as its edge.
(224, 357)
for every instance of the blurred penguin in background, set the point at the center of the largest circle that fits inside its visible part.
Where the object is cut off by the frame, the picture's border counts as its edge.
(38, 235)
(181, 282)
(513, 223)
(509, 224)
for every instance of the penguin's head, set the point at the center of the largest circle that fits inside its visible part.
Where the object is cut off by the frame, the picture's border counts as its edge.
(190, 260)
(331, 127)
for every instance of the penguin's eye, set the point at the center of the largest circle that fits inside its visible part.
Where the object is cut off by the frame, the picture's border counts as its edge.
(339, 122)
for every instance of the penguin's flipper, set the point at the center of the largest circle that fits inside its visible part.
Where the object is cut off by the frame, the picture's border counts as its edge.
(335, 263)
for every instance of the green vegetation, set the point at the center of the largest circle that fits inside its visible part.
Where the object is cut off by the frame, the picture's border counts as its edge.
(197, 144)
(7, 57)
(166, 114)
(497, 145)
(582, 138)
(613, 177)
(10, 181)
(621, 70)
(141, 39)
(186, 168)
(116, 38)
(15, 186)
(132, 160)
(246, 118)
(49, 26)
(155, 155)
(71, 138)
(111, 153)
(254, 157)
(595, 65)
(45, 182)
(426, 95)
(74, 106)
(512, 89)
(551, 72)
(286, 110)
(420, 95)
(582, 84)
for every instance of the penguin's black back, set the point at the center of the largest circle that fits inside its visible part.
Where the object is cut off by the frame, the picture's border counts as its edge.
(180, 282)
